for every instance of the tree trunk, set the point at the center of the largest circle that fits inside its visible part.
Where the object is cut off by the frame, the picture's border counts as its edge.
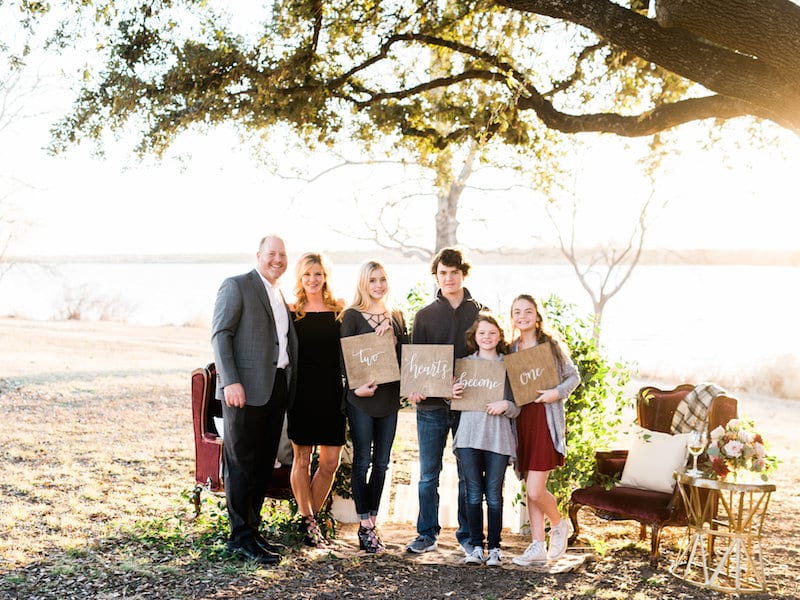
(446, 223)
(449, 197)
(597, 320)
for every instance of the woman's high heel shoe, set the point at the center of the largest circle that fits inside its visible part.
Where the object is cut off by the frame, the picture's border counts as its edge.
(312, 534)
(369, 541)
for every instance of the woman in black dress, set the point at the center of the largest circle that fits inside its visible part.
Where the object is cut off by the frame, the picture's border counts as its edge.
(315, 416)
(372, 409)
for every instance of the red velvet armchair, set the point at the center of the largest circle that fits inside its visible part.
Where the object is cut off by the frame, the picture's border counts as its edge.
(208, 467)
(654, 409)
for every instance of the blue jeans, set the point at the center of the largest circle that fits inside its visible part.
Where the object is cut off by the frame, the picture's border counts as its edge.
(372, 445)
(484, 472)
(432, 429)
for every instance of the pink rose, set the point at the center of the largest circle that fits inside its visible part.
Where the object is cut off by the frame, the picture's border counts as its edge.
(733, 448)
(746, 437)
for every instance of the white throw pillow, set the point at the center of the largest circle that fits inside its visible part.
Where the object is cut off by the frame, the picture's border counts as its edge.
(219, 424)
(653, 458)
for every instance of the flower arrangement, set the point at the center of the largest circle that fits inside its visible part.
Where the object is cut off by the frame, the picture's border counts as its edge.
(738, 447)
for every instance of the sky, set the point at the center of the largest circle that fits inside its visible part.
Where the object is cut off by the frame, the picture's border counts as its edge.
(211, 195)
(221, 201)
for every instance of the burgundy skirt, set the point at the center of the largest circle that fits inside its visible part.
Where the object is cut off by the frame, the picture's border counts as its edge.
(535, 450)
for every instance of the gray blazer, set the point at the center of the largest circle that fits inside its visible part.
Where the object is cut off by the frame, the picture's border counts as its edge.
(244, 339)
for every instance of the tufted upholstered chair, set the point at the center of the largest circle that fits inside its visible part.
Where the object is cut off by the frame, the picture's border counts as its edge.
(656, 510)
(208, 466)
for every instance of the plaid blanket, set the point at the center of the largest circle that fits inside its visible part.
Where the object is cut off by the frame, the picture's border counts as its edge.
(691, 413)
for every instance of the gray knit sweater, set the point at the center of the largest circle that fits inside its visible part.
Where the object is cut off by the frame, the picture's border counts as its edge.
(495, 433)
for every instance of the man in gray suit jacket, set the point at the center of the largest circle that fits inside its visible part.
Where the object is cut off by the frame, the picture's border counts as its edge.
(255, 347)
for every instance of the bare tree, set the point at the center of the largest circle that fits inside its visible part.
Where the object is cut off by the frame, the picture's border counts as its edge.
(604, 269)
(6, 235)
(445, 176)
(389, 231)
(20, 83)
(11, 111)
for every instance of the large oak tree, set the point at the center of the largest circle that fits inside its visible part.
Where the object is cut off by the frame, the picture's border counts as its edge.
(437, 76)
(438, 73)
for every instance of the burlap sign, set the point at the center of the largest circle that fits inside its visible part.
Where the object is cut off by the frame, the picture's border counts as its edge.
(427, 369)
(369, 357)
(484, 382)
(530, 370)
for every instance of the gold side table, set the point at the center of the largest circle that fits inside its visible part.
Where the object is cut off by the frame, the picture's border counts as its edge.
(722, 549)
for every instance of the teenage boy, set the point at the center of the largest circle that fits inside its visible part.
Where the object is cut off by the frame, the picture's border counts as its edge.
(443, 321)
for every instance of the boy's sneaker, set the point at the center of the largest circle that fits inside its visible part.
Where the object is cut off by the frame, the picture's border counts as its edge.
(476, 558)
(467, 547)
(495, 559)
(534, 555)
(558, 540)
(421, 544)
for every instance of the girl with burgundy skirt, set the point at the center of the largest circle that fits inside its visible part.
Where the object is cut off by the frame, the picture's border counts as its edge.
(541, 435)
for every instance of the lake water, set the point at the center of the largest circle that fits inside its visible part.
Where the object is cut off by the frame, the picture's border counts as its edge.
(681, 321)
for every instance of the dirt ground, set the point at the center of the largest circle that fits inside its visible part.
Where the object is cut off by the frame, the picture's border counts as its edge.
(97, 440)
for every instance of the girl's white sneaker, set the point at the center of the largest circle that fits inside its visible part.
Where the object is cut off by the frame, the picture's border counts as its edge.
(476, 558)
(558, 540)
(495, 559)
(534, 555)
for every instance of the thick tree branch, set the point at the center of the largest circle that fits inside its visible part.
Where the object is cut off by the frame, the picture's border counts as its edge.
(492, 84)
(740, 25)
(646, 123)
(726, 72)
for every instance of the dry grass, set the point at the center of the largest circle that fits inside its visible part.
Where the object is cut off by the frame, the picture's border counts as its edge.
(85, 460)
(774, 376)
(97, 457)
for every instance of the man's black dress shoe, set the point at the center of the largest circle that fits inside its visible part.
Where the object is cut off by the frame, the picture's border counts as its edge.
(268, 546)
(250, 550)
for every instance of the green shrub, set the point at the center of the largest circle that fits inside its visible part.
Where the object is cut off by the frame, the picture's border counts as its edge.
(594, 410)
(417, 297)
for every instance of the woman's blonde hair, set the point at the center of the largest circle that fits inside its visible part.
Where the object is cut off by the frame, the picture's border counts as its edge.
(303, 263)
(361, 299)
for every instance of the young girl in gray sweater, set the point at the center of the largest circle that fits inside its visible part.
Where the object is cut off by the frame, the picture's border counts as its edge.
(485, 444)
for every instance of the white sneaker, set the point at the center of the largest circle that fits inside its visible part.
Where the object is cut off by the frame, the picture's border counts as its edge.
(467, 547)
(476, 558)
(495, 559)
(534, 554)
(558, 540)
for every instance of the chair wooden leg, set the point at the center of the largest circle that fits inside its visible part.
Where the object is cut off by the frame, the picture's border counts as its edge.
(574, 507)
(654, 545)
(195, 498)
(712, 538)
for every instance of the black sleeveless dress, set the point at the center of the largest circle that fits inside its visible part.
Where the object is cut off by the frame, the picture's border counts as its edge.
(315, 416)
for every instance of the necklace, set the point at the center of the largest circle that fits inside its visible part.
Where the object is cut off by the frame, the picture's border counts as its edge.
(374, 319)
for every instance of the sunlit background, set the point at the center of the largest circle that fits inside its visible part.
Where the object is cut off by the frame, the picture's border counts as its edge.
(213, 196)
